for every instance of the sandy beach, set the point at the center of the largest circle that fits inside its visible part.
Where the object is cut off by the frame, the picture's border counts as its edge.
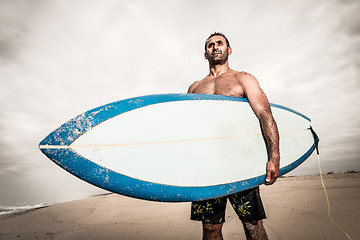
(296, 209)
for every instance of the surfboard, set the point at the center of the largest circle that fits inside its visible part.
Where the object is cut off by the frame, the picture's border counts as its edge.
(176, 147)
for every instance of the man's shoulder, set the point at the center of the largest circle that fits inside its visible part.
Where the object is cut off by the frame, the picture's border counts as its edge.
(200, 81)
(194, 85)
(244, 77)
(241, 74)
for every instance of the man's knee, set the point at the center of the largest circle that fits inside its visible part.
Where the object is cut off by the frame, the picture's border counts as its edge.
(254, 223)
(212, 231)
(254, 230)
(211, 228)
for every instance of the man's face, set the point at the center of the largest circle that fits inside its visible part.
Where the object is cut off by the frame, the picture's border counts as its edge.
(216, 49)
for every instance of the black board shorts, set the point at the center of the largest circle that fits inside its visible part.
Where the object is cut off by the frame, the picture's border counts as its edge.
(247, 205)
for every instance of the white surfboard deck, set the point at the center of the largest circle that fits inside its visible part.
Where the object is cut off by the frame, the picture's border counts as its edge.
(188, 141)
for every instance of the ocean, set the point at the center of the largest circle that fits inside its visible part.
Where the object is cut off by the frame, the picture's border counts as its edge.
(15, 209)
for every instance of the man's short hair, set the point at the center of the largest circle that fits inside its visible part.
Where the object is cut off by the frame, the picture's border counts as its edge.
(217, 34)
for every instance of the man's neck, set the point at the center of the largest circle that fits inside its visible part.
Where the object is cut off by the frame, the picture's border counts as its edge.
(218, 69)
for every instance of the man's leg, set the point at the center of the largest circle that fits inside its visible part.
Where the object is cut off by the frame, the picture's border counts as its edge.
(255, 230)
(212, 214)
(212, 231)
(248, 206)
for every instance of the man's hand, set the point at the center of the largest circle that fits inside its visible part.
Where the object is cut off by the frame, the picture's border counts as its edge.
(272, 171)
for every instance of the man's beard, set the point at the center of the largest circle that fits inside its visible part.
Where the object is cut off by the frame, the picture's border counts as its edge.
(218, 58)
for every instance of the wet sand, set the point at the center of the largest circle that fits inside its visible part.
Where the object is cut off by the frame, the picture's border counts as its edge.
(296, 209)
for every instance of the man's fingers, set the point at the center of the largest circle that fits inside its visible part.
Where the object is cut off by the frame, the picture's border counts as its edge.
(268, 177)
(272, 172)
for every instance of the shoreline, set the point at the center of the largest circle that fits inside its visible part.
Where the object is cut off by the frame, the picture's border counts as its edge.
(5, 210)
(296, 208)
(30, 207)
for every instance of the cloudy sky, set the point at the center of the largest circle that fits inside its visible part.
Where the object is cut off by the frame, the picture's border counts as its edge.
(61, 58)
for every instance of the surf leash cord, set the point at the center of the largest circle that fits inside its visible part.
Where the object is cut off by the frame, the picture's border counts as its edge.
(316, 141)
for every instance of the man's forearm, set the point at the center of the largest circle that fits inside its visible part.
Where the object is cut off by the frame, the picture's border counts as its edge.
(271, 135)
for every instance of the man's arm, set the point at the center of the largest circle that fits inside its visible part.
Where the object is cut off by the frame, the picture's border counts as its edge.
(261, 107)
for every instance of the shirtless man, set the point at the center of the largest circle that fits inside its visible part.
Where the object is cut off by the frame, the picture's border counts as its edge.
(224, 81)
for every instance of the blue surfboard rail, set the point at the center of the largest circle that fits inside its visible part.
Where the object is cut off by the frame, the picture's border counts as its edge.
(125, 185)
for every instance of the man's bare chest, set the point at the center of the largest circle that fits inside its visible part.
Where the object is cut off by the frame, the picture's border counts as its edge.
(220, 86)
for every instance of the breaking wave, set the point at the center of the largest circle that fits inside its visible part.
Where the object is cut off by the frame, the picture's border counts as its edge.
(15, 209)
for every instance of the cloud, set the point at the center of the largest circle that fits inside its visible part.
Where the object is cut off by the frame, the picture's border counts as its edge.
(61, 59)
(14, 27)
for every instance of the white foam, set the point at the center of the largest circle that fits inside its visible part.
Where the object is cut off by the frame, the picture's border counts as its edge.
(15, 209)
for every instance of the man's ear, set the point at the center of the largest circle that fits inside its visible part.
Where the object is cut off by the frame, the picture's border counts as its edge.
(205, 55)
(229, 50)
